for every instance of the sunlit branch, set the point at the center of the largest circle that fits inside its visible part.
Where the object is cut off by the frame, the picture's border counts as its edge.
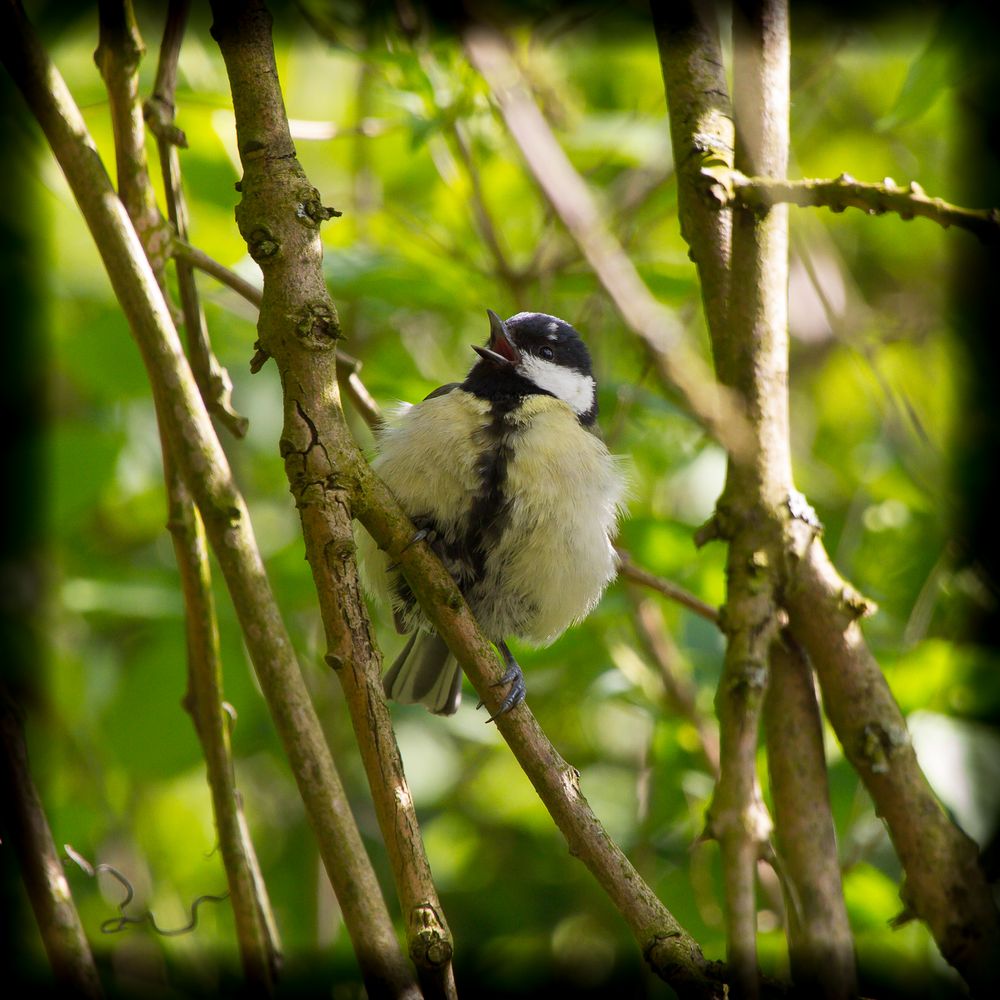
(213, 380)
(840, 193)
(254, 923)
(299, 328)
(672, 591)
(206, 471)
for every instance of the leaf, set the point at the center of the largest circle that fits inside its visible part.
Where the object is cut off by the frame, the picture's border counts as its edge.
(930, 75)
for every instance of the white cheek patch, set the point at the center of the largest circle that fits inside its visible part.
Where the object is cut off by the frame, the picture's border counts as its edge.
(564, 383)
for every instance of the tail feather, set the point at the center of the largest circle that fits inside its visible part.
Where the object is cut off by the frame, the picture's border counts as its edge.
(425, 672)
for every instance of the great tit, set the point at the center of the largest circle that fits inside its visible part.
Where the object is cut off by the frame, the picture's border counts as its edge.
(506, 478)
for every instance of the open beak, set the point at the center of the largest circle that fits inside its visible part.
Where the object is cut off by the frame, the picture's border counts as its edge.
(502, 351)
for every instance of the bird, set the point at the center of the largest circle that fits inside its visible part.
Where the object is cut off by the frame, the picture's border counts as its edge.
(505, 476)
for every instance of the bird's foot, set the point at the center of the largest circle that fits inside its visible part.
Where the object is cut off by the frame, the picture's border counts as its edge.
(512, 676)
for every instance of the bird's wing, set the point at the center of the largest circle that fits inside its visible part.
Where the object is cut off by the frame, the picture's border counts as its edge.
(442, 390)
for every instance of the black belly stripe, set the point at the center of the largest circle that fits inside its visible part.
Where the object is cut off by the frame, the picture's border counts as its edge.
(489, 514)
(465, 557)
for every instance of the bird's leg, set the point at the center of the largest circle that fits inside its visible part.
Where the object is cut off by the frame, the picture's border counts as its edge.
(513, 677)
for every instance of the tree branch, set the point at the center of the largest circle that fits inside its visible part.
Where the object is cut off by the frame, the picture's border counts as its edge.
(945, 885)
(823, 610)
(820, 943)
(206, 471)
(702, 135)
(750, 350)
(26, 831)
(119, 52)
(672, 591)
(213, 380)
(299, 327)
(735, 188)
(256, 934)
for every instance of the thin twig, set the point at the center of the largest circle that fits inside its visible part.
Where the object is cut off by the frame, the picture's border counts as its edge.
(672, 591)
(680, 691)
(26, 832)
(348, 367)
(207, 473)
(197, 257)
(840, 193)
(213, 380)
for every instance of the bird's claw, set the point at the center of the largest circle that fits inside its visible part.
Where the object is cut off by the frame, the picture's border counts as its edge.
(518, 689)
(419, 536)
(422, 534)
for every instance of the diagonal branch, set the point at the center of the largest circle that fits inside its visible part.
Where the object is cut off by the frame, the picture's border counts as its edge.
(213, 380)
(257, 936)
(945, 884)
(25, 830)
(206, 471)
(298, 327)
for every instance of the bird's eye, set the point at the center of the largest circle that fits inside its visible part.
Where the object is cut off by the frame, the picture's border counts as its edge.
(547, 353)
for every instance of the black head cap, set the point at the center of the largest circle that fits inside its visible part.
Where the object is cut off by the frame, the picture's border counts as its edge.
(535, 353)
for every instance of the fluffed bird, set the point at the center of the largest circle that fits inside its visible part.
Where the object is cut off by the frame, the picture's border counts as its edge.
(505, 477)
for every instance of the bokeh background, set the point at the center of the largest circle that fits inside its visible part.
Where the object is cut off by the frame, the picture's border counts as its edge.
(892, 412)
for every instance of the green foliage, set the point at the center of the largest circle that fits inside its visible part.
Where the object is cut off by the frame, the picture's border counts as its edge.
(873, 409)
